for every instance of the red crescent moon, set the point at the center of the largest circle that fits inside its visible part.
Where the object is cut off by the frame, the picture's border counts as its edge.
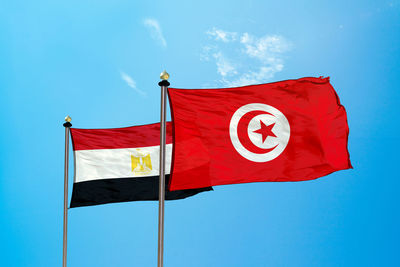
(244, 136)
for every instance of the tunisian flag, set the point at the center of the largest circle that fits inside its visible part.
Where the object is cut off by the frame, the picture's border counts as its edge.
(291, 130)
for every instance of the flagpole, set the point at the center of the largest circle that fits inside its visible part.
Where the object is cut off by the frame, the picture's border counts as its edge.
(67, 125)
(161, 187)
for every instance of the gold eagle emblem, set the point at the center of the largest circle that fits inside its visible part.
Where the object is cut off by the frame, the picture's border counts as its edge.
(141, 162)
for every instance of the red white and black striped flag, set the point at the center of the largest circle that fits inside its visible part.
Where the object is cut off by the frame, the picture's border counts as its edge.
(120, 164)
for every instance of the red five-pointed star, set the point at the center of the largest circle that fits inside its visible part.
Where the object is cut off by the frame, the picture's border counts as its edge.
(265, 130)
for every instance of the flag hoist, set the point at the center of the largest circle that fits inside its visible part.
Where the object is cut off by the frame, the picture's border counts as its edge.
(67, 126)
(164, 76)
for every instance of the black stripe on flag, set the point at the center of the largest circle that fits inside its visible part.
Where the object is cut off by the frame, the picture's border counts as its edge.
(103, 191)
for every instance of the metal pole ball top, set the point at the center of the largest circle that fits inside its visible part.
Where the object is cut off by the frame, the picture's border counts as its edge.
(67, 125)
(164, 76)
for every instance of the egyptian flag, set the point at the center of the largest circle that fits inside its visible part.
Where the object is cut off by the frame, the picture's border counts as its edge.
(292, 130)
(121, 164)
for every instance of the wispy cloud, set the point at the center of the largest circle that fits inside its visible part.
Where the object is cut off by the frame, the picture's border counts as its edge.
(131, 83)
(265, 47)
(221, 35)
(242, 58)
(253, 77)
(224, 66)
(155, 31)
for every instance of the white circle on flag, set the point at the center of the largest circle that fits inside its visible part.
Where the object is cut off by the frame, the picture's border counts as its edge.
(268, 131)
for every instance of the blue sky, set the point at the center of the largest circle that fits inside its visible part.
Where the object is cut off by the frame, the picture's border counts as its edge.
(99, 62)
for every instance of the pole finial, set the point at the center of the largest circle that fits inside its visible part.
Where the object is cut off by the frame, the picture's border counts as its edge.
(164, 75)
(67, 122)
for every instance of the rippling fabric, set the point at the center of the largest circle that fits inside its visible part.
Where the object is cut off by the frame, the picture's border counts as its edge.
(308, 138)
(121, 164)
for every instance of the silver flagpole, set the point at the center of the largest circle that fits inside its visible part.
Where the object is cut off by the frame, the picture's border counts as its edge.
(161, 188)
(67, 125)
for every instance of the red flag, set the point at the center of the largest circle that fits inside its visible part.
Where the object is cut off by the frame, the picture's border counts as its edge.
(291, 130)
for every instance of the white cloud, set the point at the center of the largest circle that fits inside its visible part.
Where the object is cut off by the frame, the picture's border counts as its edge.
(155, 31)
(205, 53)
(245, 60)
(131, 83)
(253, 77)
(264, 48)
(221, 35)
(224, 66)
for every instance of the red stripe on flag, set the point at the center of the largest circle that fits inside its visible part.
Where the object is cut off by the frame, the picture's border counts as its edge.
(128, 137)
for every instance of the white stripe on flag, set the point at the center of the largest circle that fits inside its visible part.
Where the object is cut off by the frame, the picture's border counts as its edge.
(99, 164)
